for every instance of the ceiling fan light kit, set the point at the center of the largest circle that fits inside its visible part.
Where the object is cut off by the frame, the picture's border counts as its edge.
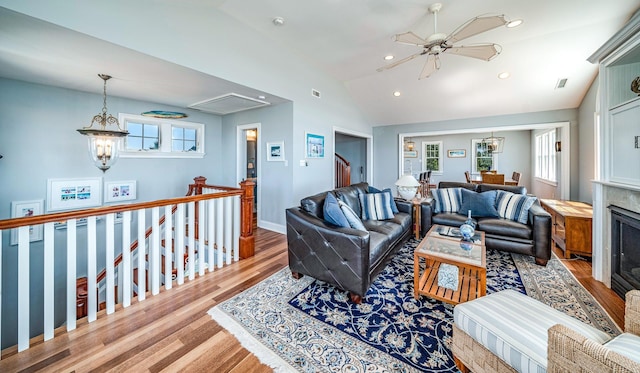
(439, 43)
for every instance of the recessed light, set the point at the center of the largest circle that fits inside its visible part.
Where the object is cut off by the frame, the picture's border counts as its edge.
(504, 75)
(396, 93)
(388, 57)
(262, 97)
(514, 23)
(278, 21)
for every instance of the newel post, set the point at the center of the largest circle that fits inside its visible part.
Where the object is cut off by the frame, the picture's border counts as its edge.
(247, 240)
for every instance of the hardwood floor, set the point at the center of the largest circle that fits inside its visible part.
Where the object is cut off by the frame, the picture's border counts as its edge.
(173, 332)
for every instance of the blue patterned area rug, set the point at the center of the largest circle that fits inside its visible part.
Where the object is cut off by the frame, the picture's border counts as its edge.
(308, 326)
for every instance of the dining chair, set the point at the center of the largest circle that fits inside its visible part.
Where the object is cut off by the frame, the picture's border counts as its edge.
(515, 179)
(467, 176)
(490, 178)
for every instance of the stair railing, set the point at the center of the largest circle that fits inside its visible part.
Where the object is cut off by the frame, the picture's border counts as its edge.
(221, 225)
(343, 171)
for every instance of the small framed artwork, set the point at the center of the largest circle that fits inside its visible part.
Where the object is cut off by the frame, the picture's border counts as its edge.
(115, 191)
(456, 153)
(314, 146)
(69, 194)
(21, 209)
(275, 151)
(411, 154)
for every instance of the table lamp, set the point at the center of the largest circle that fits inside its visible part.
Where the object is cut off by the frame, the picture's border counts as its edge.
(407, 186)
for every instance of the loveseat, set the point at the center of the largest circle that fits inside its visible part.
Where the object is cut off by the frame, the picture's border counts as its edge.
(530, 236)
(346, 257)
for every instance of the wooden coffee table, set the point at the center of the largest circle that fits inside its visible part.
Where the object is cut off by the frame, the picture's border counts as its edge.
(440, 245)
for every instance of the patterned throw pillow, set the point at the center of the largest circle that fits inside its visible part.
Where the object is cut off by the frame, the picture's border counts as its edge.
(514, 206)
(352, 217)
(394, 207)
(333, 213)
(375, 206)
(447, 199)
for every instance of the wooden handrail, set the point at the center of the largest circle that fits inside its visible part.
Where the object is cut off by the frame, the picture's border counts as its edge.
(343, 171)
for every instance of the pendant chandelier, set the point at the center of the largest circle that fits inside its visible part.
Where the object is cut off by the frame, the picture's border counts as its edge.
(104, 144)
(493, 144)
(409, 145)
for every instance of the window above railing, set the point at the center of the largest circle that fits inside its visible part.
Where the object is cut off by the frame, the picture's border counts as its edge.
(161, 137)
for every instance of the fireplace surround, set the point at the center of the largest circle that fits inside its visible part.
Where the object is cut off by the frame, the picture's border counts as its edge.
(625, 250)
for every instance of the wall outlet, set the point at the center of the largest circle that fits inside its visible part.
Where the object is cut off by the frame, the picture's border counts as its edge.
(303, 163)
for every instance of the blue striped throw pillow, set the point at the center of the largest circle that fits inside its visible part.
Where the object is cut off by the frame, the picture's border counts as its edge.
(514, 206)
(447, 199)
(376, 206)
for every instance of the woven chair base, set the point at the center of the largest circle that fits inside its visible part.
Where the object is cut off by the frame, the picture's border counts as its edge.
(475, 357)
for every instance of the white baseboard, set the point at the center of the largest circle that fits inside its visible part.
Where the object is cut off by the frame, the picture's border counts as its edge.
(272, 227)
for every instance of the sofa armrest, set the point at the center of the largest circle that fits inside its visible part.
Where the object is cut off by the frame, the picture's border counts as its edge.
(632, 312)
(404, 206)
(339, 256)
(540, 222)
(570, 351)
(426, 213)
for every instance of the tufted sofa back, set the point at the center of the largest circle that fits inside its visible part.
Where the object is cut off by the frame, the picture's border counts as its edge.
(349, 195)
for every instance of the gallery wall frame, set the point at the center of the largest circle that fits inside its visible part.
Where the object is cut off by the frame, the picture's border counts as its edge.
(314, 145)
(73, 194)
(21, 209)
(456, 153)
(411, 154)
(115, 191)
(275, 151)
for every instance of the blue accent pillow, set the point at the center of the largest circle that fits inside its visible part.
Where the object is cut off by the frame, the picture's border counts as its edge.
(375, 206)
(333, 213)
(394, 208)
(446, 199)
(481, 204)
(352, 217)
(514, 206)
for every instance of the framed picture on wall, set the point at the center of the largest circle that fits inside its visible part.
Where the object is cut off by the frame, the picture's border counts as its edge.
(275, 151)
(314, 146)
(21, 209)
(411, 154)
(456, 153)
(115, 191)
(70, 194)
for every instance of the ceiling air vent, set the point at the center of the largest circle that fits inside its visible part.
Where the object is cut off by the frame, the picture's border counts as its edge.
(228, 103)
(561, 83)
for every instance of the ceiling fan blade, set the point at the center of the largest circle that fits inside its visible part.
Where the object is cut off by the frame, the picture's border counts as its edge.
(476, 26)
(399, 62)
(431, 66)
(409, 38)
(480, 51)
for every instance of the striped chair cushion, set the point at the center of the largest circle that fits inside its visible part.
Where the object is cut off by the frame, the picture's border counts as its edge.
(626, 344)
(514, 206)
(376, 206)
(447, 199)
(514, 327)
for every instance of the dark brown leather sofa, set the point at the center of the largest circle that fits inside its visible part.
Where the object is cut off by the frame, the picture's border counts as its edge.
(345, 257)
(533, 238)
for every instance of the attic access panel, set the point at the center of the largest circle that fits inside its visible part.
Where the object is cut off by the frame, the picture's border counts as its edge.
(228, 103)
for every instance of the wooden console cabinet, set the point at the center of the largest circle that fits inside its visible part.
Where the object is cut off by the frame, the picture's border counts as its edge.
(571, 225)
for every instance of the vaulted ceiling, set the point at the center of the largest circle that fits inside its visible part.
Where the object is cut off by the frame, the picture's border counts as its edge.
(348, 40)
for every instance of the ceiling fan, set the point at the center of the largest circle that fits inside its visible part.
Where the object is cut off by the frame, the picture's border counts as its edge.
(438, 43)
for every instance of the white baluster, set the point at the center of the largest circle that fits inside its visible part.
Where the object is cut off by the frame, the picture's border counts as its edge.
(110, 257)
(219, 231)
(192, 240)
(168, 243)
(92, 286)
(126, 258)
(23, 288)
(71, 274)
(179, 234)
(202, 224)
(236, 228)
(142, 280)
(154, 255)
(211, 206)
(228, 228)
(49, 280)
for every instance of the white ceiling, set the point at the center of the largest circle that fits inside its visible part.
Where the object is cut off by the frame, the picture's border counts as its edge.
(348, 40)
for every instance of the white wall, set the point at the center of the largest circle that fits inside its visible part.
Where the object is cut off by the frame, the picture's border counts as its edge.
(586, 143)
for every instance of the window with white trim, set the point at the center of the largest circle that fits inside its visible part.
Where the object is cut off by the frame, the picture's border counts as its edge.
(161, 138)
(545, 155)
(481, 158)
(432, 156)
